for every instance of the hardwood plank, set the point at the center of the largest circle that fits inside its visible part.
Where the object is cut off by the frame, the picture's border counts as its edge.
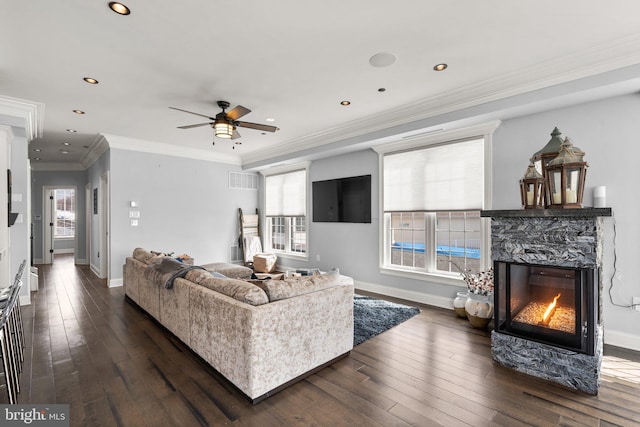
(88, 347)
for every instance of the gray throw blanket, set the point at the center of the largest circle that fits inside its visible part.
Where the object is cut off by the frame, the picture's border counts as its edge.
(166, 270)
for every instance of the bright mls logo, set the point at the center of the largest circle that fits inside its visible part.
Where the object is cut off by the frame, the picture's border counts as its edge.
(36, 415)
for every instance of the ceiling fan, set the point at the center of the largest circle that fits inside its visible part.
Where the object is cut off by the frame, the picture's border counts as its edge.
(225, 123)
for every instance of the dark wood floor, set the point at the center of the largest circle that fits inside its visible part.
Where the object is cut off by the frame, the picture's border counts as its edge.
(114, 366)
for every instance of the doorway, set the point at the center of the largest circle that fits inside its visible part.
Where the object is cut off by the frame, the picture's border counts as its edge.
(60, 213)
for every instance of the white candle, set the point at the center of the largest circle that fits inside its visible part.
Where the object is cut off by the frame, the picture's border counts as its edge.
(529, 198)
(557, 198)
(571, 196)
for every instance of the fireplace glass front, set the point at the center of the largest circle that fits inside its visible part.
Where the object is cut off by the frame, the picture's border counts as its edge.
(552, 305)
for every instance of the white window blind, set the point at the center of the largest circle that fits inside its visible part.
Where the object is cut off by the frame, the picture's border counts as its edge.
(285, 194)
(444, 177)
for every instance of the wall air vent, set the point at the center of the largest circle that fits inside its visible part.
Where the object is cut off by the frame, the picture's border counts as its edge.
(243, 181)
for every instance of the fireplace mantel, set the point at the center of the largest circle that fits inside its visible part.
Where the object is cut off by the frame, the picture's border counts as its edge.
(548, 213)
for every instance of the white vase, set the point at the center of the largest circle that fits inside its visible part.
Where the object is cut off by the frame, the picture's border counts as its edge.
(459, 302)
(479, 310)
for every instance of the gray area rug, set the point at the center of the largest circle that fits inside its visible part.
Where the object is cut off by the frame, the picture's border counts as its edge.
(373, 316)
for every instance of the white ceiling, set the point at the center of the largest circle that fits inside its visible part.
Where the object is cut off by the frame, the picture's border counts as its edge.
(293, 61)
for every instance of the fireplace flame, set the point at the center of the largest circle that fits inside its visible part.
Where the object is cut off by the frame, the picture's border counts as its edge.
(547, 314)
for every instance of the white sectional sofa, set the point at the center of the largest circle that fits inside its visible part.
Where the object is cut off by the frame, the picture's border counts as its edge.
(260, 338)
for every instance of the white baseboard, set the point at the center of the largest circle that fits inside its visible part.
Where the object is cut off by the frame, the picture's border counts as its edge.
(38, 261)
(115, 283)
(25, 299)
(622, 339)
(434, 300)
(95, 270)
(63, 251)
(82, 261)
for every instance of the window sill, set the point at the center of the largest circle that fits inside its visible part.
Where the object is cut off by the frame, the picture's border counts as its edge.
(291, 255)
(443, 279)
(64, 237)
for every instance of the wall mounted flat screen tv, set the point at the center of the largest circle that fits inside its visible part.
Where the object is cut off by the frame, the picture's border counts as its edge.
(342, 200)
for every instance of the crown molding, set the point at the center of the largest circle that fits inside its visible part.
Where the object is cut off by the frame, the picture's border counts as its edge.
(99, 146)
(133, 144)
(591, 62)
(31, 112)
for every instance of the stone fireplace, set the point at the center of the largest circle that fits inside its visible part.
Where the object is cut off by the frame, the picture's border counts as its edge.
(547, 293)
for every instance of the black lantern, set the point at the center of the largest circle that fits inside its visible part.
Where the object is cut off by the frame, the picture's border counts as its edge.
(532, 188)
(565, 177)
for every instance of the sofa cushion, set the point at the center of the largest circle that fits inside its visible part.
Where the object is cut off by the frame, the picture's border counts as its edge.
(234, 271)
(294, 286)
(236, 289)
(143, 255)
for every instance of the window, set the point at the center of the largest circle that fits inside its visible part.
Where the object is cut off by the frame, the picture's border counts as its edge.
(286, 200)
(65, 213)
(433, 191)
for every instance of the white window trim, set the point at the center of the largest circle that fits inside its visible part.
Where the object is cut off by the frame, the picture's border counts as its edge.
(484, 130)
(75, 211)
(263, 220)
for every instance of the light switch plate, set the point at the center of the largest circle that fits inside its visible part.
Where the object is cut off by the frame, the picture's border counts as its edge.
(636, 302)
(134, 214)
(134, 222)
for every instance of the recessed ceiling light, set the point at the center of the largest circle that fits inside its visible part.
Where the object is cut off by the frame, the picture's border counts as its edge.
(381, 89)
(440, 67)
(85, 146)
(65, 151)
(37, 150)
(78, 111)
(72, 130)
(119, 8)
(37, 158)
(345, 103)
(270, 119)
(90, 80)
(66, 143)
(382, 59)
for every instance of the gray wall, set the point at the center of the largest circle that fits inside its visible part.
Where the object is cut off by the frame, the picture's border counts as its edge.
(606, 130)
(354, 248)
(19, 232)
(186, 206)
(41, 179)
(94, 173)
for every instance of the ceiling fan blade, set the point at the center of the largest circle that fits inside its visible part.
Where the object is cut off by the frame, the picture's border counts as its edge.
(193, 126)
(191, 112)
(238, 112)
(257, 126)
(235, 134)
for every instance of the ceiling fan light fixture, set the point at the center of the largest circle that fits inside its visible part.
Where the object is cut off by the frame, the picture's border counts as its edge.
(119, 8)
(223, 129)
